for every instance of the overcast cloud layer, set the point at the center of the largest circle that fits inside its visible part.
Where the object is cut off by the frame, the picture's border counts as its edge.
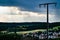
(28, 11)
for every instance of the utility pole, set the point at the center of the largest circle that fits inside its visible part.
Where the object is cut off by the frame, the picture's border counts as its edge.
(47, 5)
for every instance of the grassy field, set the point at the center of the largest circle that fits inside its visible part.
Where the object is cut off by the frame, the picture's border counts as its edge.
(42, 30)
(32, 31)
(5, 35)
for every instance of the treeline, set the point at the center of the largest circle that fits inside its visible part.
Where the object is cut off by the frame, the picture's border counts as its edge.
(28, 25)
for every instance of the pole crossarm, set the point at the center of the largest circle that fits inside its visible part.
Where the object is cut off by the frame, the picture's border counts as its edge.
(47, 4)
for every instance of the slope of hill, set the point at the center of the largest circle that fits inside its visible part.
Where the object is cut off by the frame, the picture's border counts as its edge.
(28, 25)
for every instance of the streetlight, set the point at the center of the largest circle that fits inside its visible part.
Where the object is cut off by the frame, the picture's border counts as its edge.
(47, 5)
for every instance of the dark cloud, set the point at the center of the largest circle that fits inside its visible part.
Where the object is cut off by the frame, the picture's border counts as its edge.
(32, 5)
(29, 5)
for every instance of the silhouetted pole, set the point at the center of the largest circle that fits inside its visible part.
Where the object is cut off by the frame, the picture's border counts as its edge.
(15, 31)
(47, 5)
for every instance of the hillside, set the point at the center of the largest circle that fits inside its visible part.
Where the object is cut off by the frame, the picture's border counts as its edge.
(28, 25)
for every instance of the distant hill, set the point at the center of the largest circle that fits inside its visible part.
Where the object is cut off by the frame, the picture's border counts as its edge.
(28, 25)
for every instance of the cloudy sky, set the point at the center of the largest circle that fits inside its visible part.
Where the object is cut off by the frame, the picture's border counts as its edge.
(28, 11)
